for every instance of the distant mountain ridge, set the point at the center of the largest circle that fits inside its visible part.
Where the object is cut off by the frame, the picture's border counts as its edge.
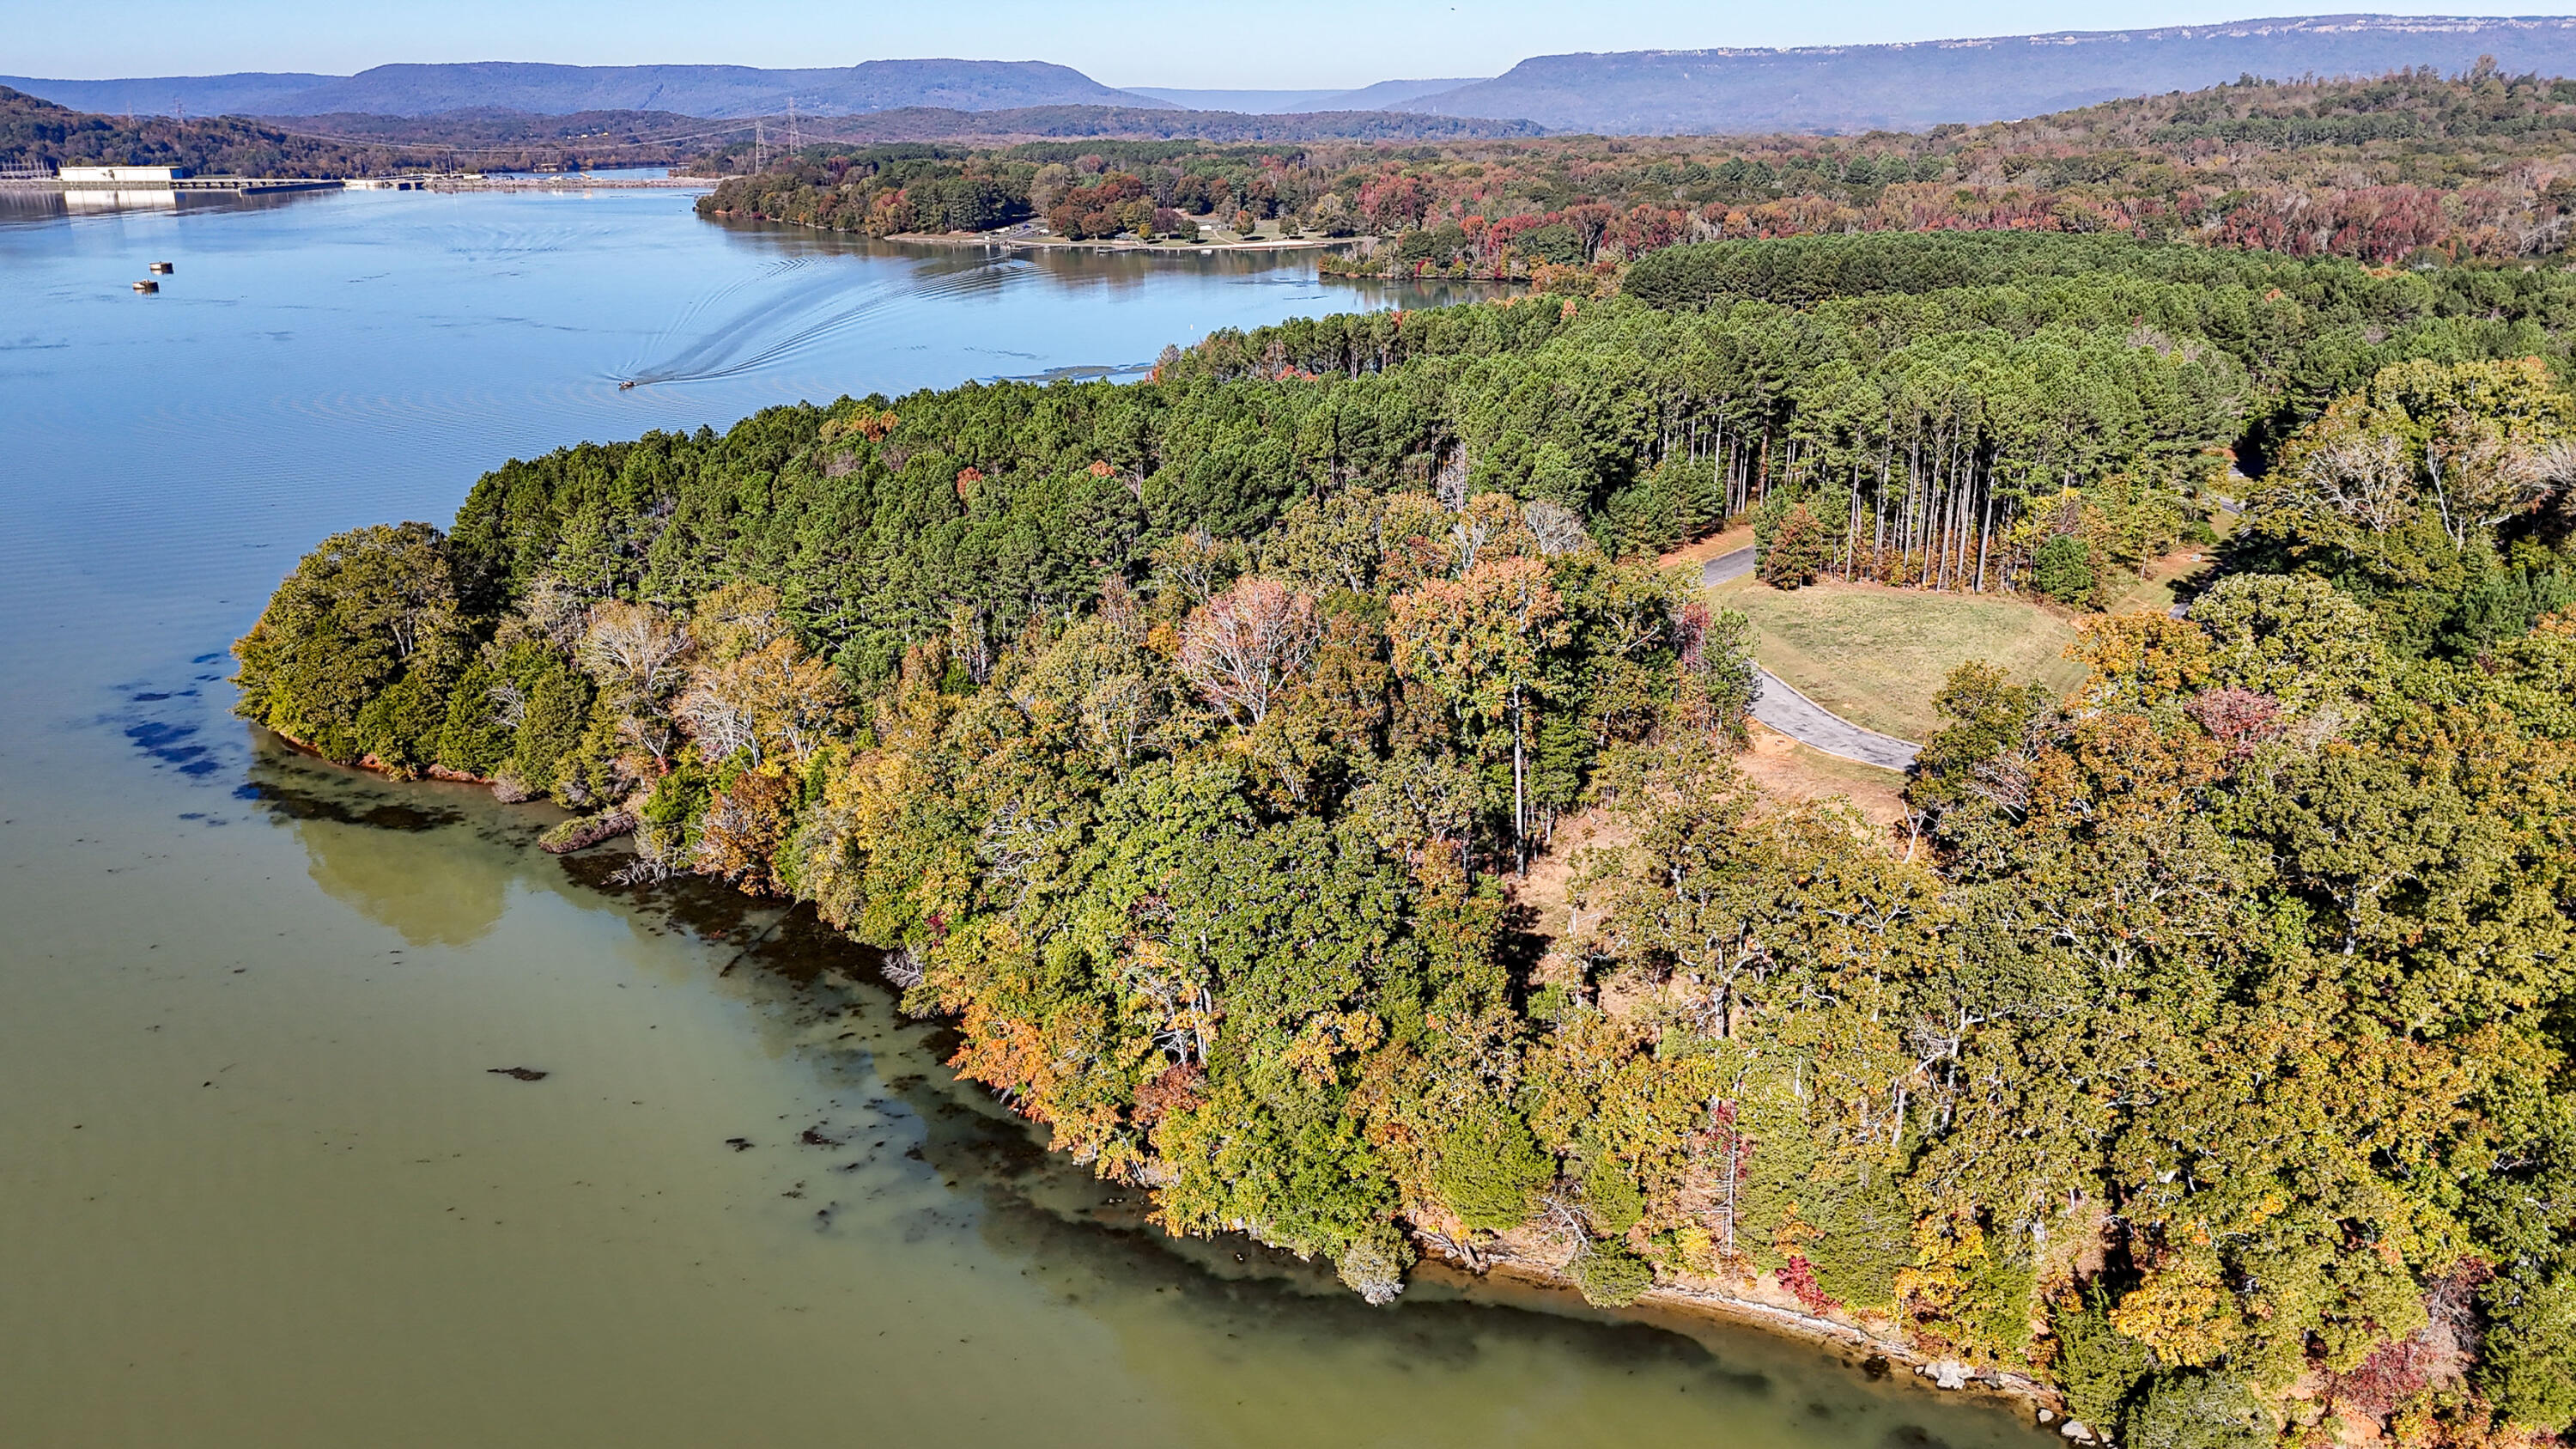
(244, 93)
(1249, 102)
(1376, 97)
(718, 91)
(1845, 88)
(1165, 123)
(1914, 85)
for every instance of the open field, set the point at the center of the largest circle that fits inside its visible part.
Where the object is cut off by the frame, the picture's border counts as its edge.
(1876, 655)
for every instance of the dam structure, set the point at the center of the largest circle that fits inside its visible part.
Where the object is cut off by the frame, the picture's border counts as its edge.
(173, 181)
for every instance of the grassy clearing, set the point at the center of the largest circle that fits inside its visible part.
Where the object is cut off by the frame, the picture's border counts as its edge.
(2166, 578)
(1877, 655)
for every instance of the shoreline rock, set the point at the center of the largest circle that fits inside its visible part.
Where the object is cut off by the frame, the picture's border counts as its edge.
(1875, 1352)
(1106, 244)
(585, 832)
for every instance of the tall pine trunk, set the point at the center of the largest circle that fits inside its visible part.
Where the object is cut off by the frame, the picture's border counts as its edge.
(1986, 535)
(1520, 810)
(1913, 532)
(1851, 519)
(1878, 504)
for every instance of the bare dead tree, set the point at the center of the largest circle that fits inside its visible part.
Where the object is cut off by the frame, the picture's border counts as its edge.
(720, 720)
(2364, 479)
(1241, 648)
(1559, 529)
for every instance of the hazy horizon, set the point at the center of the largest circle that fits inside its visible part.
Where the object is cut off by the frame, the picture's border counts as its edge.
(1161, 44)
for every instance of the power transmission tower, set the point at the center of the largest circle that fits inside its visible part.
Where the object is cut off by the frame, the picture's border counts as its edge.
(795, 142)
(759, 149)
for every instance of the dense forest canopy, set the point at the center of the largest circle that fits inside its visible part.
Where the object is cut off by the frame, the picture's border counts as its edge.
(2403, 167)
(502, 140)
(2199, 1045)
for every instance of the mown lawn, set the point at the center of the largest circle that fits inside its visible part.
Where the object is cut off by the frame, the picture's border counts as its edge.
(1876, 655)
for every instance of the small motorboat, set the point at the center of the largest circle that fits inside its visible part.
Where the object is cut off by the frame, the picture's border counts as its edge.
(163, 268)
(627, 385)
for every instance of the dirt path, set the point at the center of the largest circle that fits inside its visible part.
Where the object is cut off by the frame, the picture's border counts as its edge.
(1795, 773)
(1793, 714)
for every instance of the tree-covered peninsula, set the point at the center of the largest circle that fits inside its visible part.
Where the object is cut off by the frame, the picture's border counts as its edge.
(1310, 802)
(2384, 169)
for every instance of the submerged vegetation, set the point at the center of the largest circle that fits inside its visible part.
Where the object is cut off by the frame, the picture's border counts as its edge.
(2199, 1044)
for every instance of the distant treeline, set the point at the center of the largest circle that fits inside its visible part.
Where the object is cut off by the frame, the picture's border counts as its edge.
(931, 123)
(2406, 167)
(502, 140)
(2411, 167)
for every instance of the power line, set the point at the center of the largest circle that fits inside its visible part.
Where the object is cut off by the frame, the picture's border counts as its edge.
(449, 146)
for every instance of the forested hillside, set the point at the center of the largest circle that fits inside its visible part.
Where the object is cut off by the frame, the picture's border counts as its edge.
(2198, 1045)
(34, 132)
(2407, 167)
(502, 140)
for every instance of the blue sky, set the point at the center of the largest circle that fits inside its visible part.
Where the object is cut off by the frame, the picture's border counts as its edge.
(1205, 43)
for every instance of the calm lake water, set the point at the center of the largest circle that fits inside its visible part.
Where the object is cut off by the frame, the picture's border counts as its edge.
(261, 1181)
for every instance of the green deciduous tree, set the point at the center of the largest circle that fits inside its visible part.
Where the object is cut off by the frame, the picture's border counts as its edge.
(359, 615)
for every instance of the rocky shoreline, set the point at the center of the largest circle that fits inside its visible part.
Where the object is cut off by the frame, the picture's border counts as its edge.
(1874, 1354)
(1049, 241)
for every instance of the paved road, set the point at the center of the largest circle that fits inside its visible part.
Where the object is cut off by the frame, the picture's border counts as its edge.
(1809, 723)
(1800, 718)
(1726, 566)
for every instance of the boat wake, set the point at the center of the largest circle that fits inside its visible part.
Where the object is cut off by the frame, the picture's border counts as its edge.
(783, 313)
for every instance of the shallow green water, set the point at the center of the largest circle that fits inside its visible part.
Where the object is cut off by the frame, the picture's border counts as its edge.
(261, 1182)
